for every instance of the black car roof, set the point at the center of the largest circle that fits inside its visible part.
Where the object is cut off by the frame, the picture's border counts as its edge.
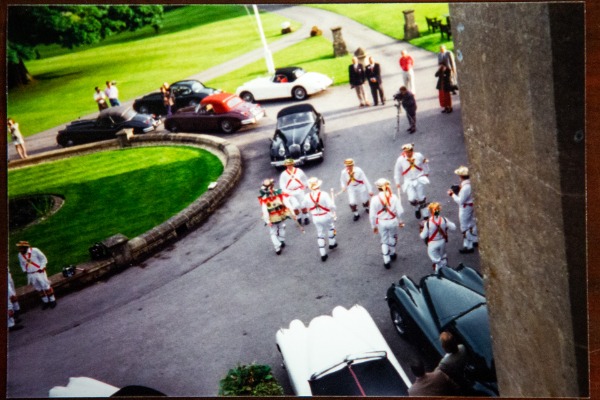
(287, 71)
(113, 111)
(299, 108)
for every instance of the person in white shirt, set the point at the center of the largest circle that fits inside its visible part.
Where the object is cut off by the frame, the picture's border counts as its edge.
(354, 181)
(33, 263)
(293, 182)
(466, 213)
(384, 214)
(322, 209)
(413, 168)
(112, 93)
(275, 209)
(100, 99)
(435, 234)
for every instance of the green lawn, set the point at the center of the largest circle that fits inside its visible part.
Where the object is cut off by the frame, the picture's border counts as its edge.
(388, 18)
(139, 61)
(124, 191)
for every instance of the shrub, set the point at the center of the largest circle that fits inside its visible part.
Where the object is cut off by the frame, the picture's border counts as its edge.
(250, 380)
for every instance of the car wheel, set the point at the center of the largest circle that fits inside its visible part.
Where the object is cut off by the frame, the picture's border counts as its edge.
(173, 127)
(144, 109)
(299, 93)
(400, 320)
(247, 96)
(227, 126)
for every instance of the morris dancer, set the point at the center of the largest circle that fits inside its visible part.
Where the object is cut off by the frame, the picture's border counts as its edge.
(354, 180)
(293, 183)
(33, 263)
(414, 168)
(384, 215)
(435, 235)
(321, 207)
(466, 213)
(275, 210)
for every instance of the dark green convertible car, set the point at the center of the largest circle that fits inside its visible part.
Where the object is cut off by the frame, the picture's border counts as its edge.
(451, 300)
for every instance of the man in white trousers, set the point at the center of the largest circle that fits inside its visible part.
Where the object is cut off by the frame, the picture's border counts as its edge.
(435, 235)
(354, 181)
(466, 213)
(322, 209)
(33, 262)
(293, 182)
(413, 169)
(384, 214)
(275, 208)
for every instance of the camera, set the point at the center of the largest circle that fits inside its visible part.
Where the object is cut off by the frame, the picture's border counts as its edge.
(68, 271)
(398, 96)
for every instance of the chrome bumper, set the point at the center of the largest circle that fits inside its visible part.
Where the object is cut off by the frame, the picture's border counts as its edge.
(299, 161)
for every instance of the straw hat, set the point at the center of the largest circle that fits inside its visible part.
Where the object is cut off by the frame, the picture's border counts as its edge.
(382, 183)
(23, 243)
(314, 183)
(462, 171)
(289, 161)
(348, 162)
(408, 146)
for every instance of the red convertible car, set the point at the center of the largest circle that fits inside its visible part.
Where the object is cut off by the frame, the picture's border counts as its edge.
(223, 111)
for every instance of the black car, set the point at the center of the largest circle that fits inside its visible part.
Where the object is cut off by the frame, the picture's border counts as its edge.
(187, 93)
(106, 126)
(452, 300)
(299, 135)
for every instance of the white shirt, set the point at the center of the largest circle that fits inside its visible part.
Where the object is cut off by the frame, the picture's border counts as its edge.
(296, 180)
(404, 168)
(112, 92)
(433, 226)
(384, 206)
(465, 196)
(359, 179)
(32, 256)
(318, 203)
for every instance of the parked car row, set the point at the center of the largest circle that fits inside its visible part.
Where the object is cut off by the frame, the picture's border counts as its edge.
(345, 354)
(199, 108)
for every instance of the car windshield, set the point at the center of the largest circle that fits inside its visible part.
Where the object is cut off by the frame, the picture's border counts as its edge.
(370, 375)
(287, 121)
(299, 72)
(126, 116)
(197, 86)
(234, 102)
(450, 299)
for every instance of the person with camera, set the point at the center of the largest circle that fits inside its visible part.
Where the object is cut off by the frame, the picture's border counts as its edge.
(406, 99)
(463, 196)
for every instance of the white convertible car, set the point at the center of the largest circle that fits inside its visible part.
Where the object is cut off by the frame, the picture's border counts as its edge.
(343, 354)
(287, 82)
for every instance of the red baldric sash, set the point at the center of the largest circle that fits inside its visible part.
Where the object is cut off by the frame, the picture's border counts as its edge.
(438, 229)
(353, 179)
(293, 178)
(412, 165)
(27, 258)
(386, 202)
(317, 205)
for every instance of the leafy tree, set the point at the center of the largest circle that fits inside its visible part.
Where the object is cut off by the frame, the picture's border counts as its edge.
(69, 26)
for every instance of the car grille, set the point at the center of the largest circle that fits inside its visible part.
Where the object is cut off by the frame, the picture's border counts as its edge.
(295, 151)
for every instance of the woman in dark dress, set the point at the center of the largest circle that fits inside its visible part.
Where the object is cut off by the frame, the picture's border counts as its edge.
(444, 87)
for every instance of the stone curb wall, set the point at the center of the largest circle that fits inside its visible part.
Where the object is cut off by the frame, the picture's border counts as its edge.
(138, 248)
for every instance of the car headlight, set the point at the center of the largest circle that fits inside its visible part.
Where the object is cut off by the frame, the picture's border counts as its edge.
(307, 145)
(281, 151)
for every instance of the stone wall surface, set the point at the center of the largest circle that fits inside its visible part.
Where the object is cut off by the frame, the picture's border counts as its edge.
(527, 175)
(140, 247)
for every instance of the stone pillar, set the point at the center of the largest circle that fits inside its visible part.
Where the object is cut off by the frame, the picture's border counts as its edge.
(361, 54)
(411, 29)
(522, 110)
(123, 137)
(339, 46)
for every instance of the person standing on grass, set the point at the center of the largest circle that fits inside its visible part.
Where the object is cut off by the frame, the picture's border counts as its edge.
(112, 93)
(17, 137)
(100, 99)
(33, 262)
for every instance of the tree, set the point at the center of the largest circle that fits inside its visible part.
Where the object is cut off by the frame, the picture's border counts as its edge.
(69, 26)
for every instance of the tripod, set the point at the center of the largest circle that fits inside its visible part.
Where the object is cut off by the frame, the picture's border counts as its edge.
(398, 111)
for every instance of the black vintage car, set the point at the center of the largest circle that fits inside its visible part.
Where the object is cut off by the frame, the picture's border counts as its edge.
(452, 300)
(299, 134)
(106, 126)
(187, 93)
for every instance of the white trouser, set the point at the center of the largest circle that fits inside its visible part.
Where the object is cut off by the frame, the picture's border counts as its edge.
(436, 249)
(415, 190)
(324, 223)
(408, 78)
(388, 233)
(296, 197)
(11, 320)
(277, 232)
(466, 216)
(358, 192)
(41, 283)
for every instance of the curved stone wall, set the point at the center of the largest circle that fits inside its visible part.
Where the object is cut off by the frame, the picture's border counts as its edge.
(123, 252)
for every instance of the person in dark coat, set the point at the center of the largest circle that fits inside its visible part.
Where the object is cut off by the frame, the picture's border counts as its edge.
(357, 79)
(444, 87)
(373, 75)
(407, 99)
